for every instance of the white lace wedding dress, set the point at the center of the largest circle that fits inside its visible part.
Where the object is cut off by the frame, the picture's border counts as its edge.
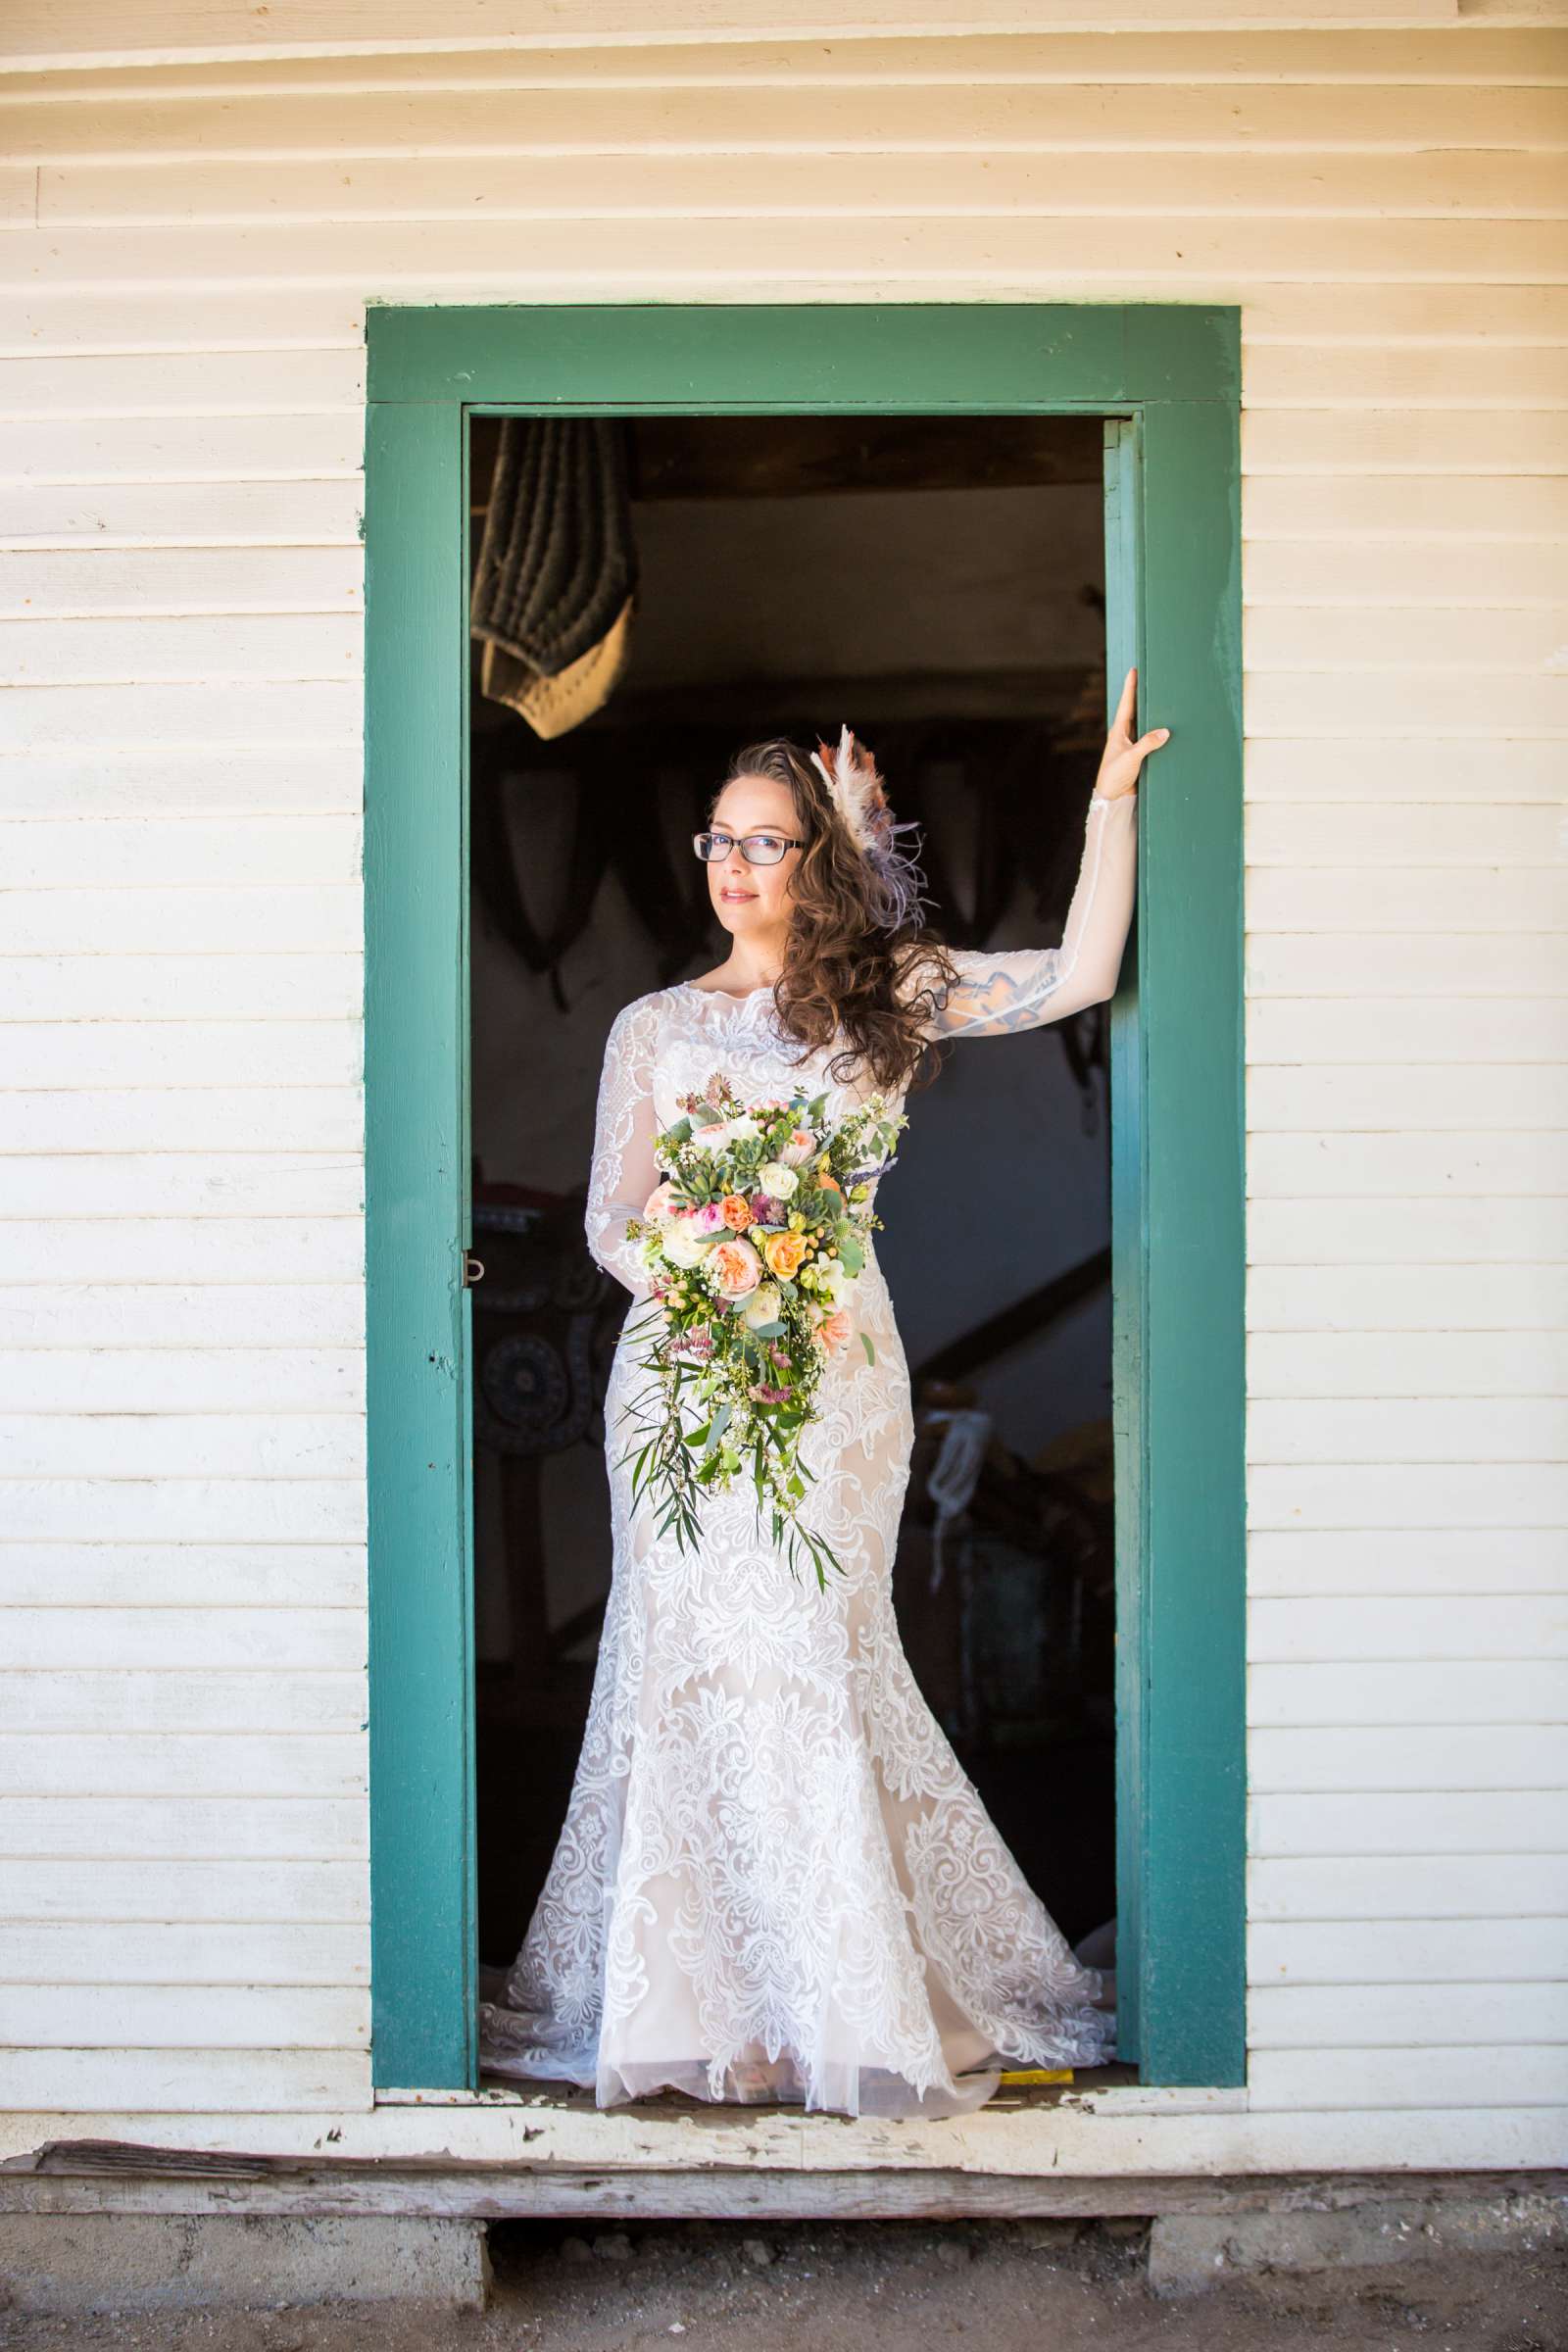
(775, 1880)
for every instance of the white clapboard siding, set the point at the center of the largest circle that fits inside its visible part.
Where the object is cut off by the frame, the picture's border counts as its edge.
(1485, 1625)
(1442, 2073)
(1418, 1561)
(1315, 2017)
(1404, 1691)
(1411, 1166)
(191, 1509)
(1407, 1823)
(162, 517)
(186, 252)
(53, 1381)
(181, 2017)
(164, 583)
(1508, 1429)
(123, 1953)
(239, 1184)
(193, 1576)
(161, 2081)
(1357, 1495)
(1428, 1757)
(180, 1314)
(1407, 1364)
(1499, 1887)
(279, 1701)
(162, 1764)
(1406, 1953)
(267, 1887)
(1366, 1297)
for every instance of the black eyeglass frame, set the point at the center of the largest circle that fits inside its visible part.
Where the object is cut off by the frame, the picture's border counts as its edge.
(787, 841)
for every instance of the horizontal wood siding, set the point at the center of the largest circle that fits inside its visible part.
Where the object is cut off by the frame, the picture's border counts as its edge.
(186, 253)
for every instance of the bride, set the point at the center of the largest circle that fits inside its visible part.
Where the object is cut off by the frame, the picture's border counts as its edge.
(774, 1881)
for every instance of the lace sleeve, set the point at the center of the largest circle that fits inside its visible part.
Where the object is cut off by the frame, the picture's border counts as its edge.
(1023, 988)
(623, 1171)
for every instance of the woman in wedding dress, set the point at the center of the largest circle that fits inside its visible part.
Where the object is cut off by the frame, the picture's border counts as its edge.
(775, 1881)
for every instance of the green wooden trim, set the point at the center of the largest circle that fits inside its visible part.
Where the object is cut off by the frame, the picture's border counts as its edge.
(1124, 638)
(1190, 965)
(416, 1194)
(1172, 372)
(974, 358)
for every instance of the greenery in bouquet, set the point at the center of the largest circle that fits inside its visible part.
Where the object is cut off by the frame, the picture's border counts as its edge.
(753, 1240)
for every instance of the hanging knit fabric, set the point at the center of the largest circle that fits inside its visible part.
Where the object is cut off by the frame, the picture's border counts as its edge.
(557, 576)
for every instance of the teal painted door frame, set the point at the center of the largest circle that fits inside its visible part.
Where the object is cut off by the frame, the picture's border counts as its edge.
(1167, 378)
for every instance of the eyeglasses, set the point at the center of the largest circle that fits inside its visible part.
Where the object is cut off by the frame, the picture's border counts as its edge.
(757, 849)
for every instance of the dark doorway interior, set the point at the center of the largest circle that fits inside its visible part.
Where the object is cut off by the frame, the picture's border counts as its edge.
(938, 584)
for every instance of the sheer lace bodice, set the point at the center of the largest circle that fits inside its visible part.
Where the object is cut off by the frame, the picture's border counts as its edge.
(774, 1878)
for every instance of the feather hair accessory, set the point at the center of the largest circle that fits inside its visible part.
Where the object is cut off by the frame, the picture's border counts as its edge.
(860, 797)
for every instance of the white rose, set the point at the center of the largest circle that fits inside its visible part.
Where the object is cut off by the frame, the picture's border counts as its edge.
(778, 1181)
(762, 1305)
(743, 1124)
(683, 1247)
(832, 1278)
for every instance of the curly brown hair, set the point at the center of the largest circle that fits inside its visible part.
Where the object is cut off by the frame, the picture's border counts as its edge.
(844, 968)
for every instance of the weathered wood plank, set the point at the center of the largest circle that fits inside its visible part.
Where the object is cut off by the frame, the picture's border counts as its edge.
(318, 1314)
(279, 1701)
(155, 1830)
(265, 1889)
(73, 1057)
(1468, 1756)
(1420, 1562)
(1417, 1298)
(1407, 1823)
(313, 918)
(1427, 1428)
(1406, 1952)
(181, 1382)
(124, 1952)
(1397, 1494)
(187, 1250)
(1490, 1166)
(1400, 1691)
(184, 1510)
(1426, 2018)
(169, 1764)
(933, 116)
(205, 1641)
(183, 1576)
(186, 2015)
(155, 2080)
(1433, 1887)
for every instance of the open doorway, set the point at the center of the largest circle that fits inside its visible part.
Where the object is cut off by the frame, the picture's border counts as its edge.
(938, 582)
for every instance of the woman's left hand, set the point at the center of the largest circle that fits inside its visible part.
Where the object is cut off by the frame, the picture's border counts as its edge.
(1122, 757)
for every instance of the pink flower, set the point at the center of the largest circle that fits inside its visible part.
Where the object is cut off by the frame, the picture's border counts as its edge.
(801, 1146)
(737, 1267)
(660, 1201)
(833, 1330)
(709, 1218)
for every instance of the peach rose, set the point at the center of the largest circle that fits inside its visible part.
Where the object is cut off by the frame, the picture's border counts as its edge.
(737, 1267)
(833, 1330)
(737, 1211)
(660, 1201)
(801, 1146)
(785, 1252)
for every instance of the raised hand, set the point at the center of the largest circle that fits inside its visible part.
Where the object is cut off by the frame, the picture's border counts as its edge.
(1122, 758)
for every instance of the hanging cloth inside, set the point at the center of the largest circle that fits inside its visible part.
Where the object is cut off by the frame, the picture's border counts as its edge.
(555, 588)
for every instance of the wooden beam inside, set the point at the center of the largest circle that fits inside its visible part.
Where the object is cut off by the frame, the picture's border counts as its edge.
(807, 457)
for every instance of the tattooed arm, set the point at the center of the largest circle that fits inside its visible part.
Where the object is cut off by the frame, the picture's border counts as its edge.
(1023, 988)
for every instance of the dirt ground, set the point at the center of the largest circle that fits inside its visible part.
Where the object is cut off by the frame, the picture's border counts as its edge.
(1039, 2286)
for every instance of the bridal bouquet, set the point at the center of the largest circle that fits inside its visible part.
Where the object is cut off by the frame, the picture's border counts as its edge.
(753, 1240)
